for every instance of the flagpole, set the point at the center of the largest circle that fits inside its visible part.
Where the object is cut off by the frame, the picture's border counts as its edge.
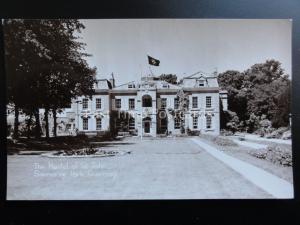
(151, 71)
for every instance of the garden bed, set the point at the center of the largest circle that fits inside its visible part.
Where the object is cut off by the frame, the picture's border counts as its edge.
(83, 153)
(278, 154)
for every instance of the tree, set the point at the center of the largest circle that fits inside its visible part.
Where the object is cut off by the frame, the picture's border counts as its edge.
(280, 116)
(232, 81)
(170, 78)
(263, 89)
(266, 82)
(62, 74)
(22, 54)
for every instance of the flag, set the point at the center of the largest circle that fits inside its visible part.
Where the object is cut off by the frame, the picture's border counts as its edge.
(152, 61)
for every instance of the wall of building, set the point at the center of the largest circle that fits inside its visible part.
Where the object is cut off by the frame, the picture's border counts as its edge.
(91, 112)
(139, 112)
(147, 111)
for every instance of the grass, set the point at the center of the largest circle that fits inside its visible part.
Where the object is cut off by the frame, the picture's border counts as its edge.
(53, 143)
(243, 153)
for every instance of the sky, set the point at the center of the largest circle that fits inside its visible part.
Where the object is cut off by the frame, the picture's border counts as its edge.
(183, 46)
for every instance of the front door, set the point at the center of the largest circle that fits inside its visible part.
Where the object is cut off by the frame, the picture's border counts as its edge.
(147, 126)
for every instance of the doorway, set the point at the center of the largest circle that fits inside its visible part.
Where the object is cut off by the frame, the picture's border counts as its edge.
(147, 124)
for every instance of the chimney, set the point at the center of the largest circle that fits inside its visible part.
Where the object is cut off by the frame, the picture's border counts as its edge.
(112, 80)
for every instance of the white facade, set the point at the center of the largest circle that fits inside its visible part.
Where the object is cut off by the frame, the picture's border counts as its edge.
(151, 104)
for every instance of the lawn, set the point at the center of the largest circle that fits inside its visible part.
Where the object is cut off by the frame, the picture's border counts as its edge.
(55, 143)
(242, 152)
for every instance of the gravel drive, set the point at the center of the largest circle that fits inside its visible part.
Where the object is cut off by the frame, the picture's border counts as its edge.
(155, 169)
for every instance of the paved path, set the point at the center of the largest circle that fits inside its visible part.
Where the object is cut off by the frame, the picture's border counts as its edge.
(155, 169)
(276, 186)
(249, 144)
(273, 140)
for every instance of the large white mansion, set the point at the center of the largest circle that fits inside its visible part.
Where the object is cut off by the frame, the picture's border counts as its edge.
(151, 104)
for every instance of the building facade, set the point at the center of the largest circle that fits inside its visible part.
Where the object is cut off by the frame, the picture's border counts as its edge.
(150, 107)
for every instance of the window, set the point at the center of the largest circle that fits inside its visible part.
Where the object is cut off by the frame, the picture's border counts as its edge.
(195, 122)
(176, 123)
(118, 103)
(131, 103)
(195, 102)
(131, 86)
(98, 124)
(201, 83)
(85, 123)
(208, 101)
(166, 86)
(176, 103)
(147, 101)
(131, 123)
(98, 103)
(163, 103)
(208, 122)
(85, 103)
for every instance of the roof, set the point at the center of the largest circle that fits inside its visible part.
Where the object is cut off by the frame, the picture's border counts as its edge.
(151, 84)
(192, 81)
(102, 84)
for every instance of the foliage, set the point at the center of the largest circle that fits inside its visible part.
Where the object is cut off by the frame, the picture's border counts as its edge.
(265, 126)
(62, 72)
(183, 99)
(233, 123)
(121, 117)
(193, 132)
(170, 78)
(277, 154)
(278, 133)
(253, 123)
(222, 141)
(263, 90)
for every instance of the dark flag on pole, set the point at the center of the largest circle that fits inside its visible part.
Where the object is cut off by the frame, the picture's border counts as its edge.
(152, 61)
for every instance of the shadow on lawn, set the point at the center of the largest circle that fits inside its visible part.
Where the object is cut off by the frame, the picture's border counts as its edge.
(60, 143)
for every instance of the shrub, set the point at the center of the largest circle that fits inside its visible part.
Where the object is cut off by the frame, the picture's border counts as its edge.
(86, 151)
(234, 122)
(182, 130)
(277, 133)
(226, 132)
(222, 141)
(193, 132)
(259, 153)
(277, 154)
(252, 123)
(81, 135)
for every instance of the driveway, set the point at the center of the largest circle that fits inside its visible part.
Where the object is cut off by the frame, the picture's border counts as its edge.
(164, 168)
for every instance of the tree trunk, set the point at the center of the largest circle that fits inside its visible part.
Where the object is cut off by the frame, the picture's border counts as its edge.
(28, 125)
(37, 124)
(16, 123)
(46, 121)
(54, 123)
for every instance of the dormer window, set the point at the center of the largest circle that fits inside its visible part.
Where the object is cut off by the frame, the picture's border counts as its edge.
(201, 83)
(96, 84)
(131, 86)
